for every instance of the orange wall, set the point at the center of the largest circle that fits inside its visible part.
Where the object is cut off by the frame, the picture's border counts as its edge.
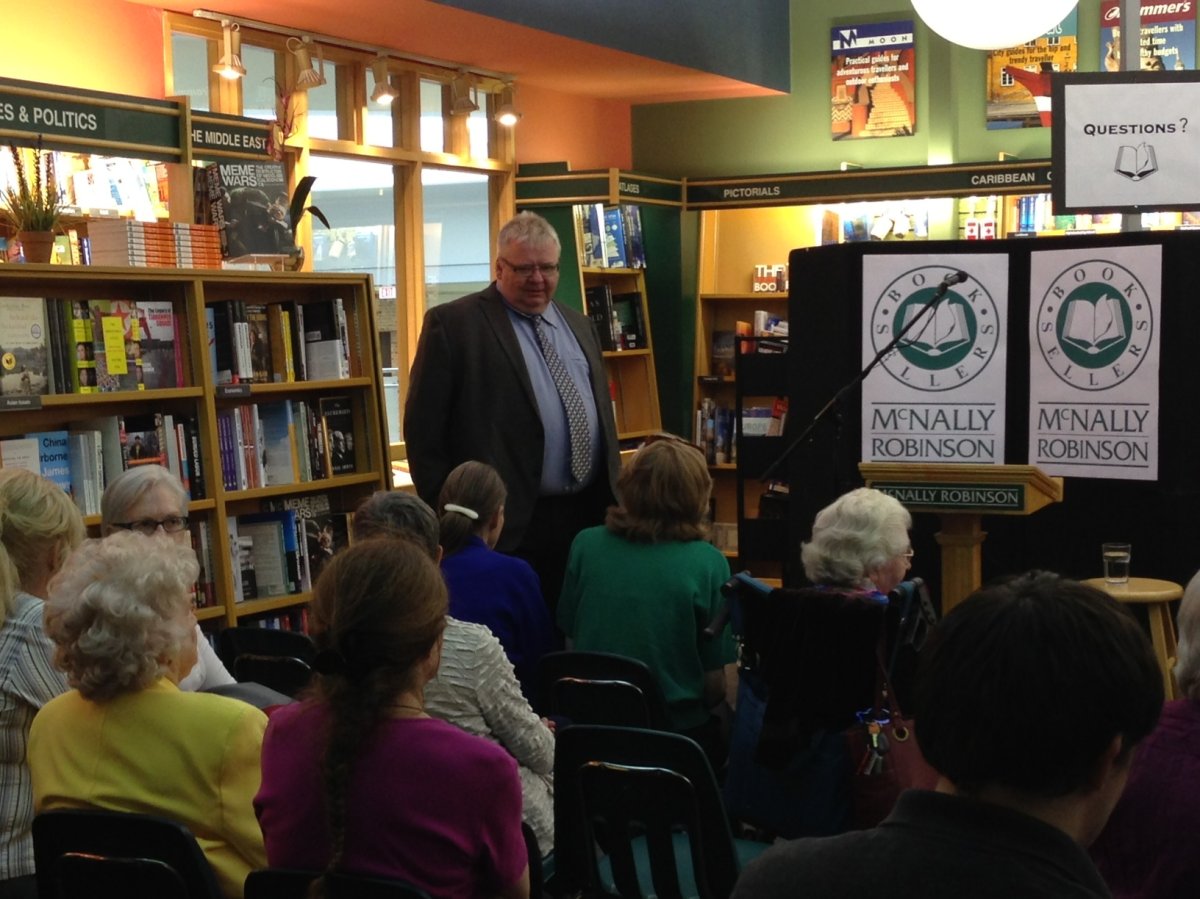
(587, 133)
(104, 45)
(112, 45)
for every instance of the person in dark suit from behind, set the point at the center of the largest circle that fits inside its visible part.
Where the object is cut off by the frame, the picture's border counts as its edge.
(481, 388)
(1030, 698)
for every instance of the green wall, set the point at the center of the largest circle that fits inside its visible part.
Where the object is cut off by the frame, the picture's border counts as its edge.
(791, 133)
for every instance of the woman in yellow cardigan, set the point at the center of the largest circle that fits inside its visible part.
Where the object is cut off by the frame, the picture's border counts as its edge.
(126, 738)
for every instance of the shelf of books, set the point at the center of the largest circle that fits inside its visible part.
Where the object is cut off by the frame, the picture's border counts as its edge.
(261, 391)
(612, 269)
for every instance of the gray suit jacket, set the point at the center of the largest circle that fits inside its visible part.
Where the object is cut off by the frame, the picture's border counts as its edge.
(470, 397)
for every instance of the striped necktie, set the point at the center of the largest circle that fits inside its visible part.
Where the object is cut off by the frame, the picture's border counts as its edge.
(581, 446)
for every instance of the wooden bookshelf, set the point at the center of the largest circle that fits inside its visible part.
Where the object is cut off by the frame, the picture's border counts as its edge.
(190, 291)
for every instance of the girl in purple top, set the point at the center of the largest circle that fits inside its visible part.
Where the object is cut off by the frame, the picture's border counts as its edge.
(358, 778)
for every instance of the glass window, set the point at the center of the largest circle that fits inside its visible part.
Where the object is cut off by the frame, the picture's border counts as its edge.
(259, 89)
(433, 135)
(322, 106)
(477, 129)
(457, 243)
(189, 63)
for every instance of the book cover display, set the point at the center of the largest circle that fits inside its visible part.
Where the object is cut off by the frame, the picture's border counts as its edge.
(248, 202)
(1167, 41)
(874, 80)
(24, 347)
(1018, 78)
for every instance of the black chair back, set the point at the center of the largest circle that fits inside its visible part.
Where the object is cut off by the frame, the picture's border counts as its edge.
(639, 794)
(285, 674)
(601, 688)
(100, 854)
(262, 641)
(290, 883)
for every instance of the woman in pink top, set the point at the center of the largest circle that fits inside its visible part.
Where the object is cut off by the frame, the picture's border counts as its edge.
(358, 778)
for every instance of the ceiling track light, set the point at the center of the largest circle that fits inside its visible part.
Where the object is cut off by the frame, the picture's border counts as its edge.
(461, 89)
(383, 92)
(230, 66)
(308, 77)
(506, 113)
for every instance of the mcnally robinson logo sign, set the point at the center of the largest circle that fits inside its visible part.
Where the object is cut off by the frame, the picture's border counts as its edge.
(1094, 324)
(938, 396)
(1093, 378)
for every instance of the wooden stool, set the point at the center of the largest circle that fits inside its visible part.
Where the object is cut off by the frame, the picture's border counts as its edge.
(1156, 596)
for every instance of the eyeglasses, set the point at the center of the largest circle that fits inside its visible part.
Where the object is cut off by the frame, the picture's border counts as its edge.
(907, 554)
(172, 524)
(526, 271)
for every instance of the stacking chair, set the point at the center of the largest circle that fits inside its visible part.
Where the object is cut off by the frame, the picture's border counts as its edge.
(118, 855)
(290, 883)
(601, 688)
(649, 800)
(280, 660)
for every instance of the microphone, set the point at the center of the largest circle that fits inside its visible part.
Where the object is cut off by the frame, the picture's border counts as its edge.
(951, 279)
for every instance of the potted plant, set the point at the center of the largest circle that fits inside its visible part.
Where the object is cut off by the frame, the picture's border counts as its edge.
(296, 210)
(31, 206)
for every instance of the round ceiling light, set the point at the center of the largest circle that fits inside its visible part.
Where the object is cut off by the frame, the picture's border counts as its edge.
(992, 26)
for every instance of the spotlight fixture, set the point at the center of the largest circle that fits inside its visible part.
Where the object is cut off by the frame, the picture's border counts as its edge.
(847, 166)
(506, 113)
(308, 77)
(383, 93)
(461, 100)
(230, 64)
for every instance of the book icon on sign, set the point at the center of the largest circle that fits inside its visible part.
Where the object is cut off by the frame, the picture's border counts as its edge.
(943, 331)
(1094, 326)
(1136, 163)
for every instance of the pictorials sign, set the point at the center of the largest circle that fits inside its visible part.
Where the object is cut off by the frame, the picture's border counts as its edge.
(1126, 141)
(1093, 360)
(938, 396)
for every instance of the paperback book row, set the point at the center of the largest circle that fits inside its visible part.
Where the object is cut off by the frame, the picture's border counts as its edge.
(285, 442)
(162, 244)
(88, 455)
(282, 550)
(87, 346)
(261, 343)
(609, 236)
(619, 318)
(716, 433)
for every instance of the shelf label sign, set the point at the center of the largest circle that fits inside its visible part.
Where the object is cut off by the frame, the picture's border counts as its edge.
(71, 119)
(938, 395)
(1093, 362)
(223, 135)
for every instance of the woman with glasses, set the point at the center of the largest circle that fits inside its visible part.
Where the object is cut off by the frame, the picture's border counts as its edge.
(39, 526)
(148, 499)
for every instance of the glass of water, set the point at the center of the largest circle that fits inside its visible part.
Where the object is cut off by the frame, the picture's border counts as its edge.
(1116, 562)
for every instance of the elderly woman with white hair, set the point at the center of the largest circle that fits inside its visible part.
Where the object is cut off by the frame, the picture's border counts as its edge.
(859, 541)
(149, 500)
(126, 738)
(1148, 847)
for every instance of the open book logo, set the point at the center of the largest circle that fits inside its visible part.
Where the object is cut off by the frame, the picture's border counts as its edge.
(944, 347)
(1094, 324)
(1136, 163)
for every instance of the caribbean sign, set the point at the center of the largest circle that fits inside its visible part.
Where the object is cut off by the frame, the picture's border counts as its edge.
(1093, 379)
(938, 396)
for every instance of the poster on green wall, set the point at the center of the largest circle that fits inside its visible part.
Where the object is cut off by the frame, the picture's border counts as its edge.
(1167, 41)
(1018, 78)
(874, 80)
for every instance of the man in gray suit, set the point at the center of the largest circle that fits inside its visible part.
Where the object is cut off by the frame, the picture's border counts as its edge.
(509, 377)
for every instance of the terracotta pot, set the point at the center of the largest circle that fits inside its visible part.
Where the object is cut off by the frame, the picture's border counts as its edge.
(38, 246)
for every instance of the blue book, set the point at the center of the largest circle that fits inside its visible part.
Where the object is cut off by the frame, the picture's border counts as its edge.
(614, 238)
(280, 453)
(54, 454)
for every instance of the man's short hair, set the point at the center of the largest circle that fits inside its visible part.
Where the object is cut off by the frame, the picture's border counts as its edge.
(527, 228)
(1025, 684)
